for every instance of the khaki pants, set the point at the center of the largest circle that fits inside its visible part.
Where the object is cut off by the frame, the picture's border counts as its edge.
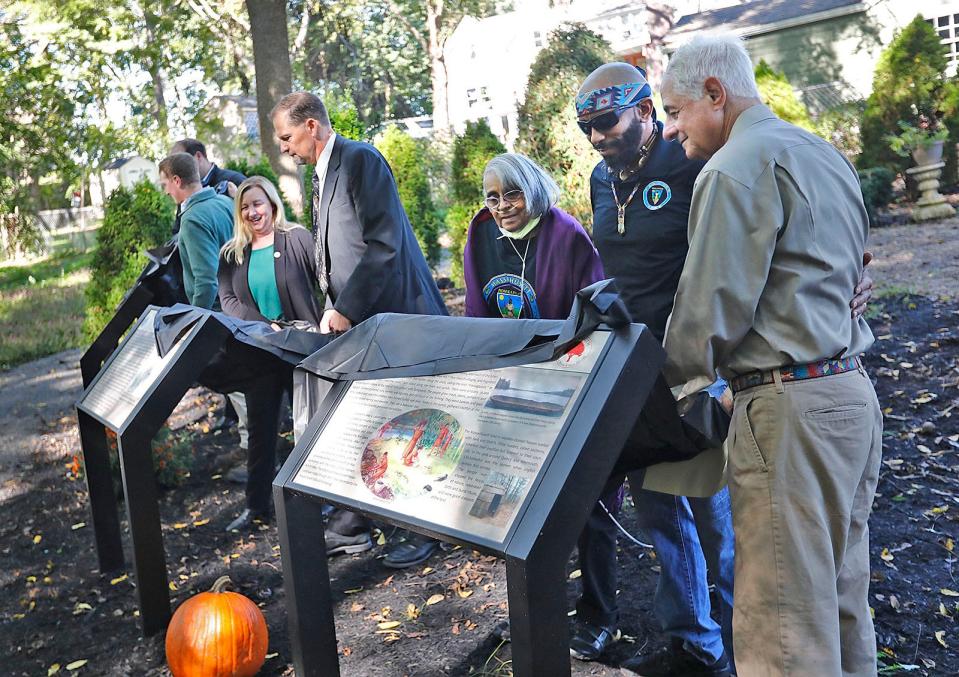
(803, 465)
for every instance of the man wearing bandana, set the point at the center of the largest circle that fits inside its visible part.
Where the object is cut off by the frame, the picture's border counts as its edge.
(640, 194)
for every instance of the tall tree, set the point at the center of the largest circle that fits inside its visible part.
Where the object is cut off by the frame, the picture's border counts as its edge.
(274, 79)
(439, 18)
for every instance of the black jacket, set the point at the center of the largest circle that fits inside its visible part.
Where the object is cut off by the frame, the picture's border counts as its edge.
(295, 280)
(374, 263)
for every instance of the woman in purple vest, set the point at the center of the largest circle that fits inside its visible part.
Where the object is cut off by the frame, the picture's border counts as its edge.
(524, 256)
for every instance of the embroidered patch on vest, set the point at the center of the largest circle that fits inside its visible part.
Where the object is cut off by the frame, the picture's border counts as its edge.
(655, 195)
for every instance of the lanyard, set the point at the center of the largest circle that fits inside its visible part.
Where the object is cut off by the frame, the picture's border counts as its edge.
(621, 208)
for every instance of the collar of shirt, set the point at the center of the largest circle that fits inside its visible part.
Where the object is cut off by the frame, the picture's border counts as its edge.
(198, 196)
(206, 179)
(323, 163)
(748, 118)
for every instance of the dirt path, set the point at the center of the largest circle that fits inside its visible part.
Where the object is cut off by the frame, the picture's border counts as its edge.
(922, 259)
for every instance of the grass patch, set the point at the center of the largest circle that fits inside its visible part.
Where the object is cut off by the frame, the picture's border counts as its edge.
(42, 307)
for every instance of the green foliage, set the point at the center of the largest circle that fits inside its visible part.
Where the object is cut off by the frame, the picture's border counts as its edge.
(909, 85)
(37, 133)
(876, 183)
(407, 157)
(173, 457)
(262, 168)
(912, 138)
(840, 127)
(548, 132)
(471, 152)
(133, 221)
(776, 92)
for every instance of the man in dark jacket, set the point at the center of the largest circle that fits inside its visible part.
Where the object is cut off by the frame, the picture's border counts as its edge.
(222, 181)
(367, 258)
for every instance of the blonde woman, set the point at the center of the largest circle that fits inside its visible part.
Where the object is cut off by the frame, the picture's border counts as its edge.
(267, 273)
(267, 270)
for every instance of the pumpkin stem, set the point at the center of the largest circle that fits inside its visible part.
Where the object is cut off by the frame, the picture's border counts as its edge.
(221, 583)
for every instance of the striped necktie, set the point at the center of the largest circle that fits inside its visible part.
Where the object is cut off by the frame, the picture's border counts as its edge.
(318, 252)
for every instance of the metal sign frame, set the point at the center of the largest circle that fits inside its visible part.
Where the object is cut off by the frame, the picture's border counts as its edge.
(538, 546)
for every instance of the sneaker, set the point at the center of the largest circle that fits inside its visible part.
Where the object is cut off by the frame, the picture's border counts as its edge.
(675, 660)
(337, 543)
(589, 642)
(410, 550)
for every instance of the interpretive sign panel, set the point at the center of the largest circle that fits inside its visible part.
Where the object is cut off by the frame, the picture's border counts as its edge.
(127, 378)
(457, 451)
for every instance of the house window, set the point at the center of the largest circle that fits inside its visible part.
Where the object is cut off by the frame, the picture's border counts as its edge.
(252, 124)
(538, 38)
(471, 97)
(948, 29)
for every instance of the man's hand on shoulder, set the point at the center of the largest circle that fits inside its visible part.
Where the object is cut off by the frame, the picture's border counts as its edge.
(334, 322)
(863, 290)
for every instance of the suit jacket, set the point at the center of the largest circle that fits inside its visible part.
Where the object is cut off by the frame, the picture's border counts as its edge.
(373, 261)
(295, 271)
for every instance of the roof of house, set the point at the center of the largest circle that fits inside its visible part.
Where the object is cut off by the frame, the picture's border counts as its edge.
(740, 18)
(119, 162)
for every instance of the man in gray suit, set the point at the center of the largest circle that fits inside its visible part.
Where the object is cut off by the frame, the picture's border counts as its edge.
(367, 258)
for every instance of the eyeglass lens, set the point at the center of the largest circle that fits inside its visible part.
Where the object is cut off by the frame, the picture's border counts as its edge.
(512, 197)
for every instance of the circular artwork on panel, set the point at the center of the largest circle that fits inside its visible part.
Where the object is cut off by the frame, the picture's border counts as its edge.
(412, 454)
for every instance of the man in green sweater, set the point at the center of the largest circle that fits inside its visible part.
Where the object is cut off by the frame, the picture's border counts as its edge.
(206, 223)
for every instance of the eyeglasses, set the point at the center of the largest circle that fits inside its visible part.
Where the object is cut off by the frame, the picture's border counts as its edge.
(604, 122)
(511, 198)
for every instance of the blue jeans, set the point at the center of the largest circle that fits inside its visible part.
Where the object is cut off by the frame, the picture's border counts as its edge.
(691, 536)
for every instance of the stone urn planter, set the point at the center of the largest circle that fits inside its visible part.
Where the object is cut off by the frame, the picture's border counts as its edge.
(928, 154)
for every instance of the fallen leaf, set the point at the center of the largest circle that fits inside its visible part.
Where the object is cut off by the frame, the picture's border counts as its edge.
(381, 540)
(356, 607)
(949, 593)
(37, 539)
(200, 523)
(53, 669)
(886, 556)
(388, 625)
(271, 655)
(412, 612)
(427, 570)
(180, 525)
(352, 591)
(940, 637)
(435, 599)
(78, 525)
(894, 602)
(576, 574)
(949, 544)
(464, 593)
(942, 610)
(118, 579)
(76, 665)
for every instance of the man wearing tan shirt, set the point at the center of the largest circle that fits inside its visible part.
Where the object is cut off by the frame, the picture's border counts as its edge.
(776, 230)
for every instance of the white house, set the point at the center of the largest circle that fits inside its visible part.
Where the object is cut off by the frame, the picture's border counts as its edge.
(129, 171)
(488, 60)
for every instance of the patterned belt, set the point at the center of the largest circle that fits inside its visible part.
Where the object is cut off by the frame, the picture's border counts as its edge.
(795, 372)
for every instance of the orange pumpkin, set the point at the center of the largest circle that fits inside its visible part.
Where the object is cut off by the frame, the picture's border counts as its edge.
(217, 634)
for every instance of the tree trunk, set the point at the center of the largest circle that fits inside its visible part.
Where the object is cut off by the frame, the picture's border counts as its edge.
(438, 75)
(274, 80)
(659, 21)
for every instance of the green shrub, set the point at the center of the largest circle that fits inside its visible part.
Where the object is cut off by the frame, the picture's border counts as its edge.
(840, 127)
(471, 152)
(407, 158)
(133, 221)
(173, 458)
(548, 132)
(876, 183)
(776, 92)
(909, 85)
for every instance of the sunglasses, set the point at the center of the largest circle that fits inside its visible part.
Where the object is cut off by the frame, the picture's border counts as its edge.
(604, 122)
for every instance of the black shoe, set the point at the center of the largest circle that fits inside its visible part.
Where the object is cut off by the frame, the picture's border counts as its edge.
(410, 550)
(588, 642)
(247, 519)
(675, 660)
(501, 631)
(223, 423)
(238, 474)
(337, 543)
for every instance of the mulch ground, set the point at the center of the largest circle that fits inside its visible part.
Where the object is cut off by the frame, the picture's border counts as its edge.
(59, 615)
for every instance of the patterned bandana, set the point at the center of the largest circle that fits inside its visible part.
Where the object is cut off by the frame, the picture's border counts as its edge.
(612, 97)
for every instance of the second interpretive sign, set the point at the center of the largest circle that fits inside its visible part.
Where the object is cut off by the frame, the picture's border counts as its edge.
(458, 451)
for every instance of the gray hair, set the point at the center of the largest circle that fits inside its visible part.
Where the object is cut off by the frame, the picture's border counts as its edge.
(721, 56)
(518, 172)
